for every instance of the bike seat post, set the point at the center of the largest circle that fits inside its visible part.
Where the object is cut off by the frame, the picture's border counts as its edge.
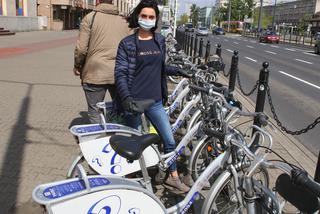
(146, 177)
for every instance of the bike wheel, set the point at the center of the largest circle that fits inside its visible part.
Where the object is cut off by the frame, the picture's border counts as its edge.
(222, 197)
(204, 153)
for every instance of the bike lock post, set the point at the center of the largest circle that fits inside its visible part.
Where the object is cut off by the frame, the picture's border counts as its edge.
(200, 51)
(191, 46)
(195, 49)
(317, 174)
(185, 42)
(207, 54)
(261, 97)
(218, 50)
(233, 71)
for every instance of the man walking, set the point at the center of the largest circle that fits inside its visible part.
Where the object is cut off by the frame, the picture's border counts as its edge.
(94, 57)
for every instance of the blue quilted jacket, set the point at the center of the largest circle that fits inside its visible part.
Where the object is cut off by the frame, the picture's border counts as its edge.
(125, 67)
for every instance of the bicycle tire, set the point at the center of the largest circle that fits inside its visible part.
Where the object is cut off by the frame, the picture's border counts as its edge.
(174, 80)
(221, 190)
(202, 149)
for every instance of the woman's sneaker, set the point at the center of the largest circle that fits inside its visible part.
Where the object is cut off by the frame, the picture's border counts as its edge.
(176, 183)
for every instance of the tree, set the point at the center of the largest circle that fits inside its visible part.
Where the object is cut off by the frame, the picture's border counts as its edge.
(184, 18)
(266, 21)
(239, 9)
(194, 14)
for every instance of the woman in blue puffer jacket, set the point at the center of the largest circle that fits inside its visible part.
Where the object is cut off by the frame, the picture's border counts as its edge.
(140, 73)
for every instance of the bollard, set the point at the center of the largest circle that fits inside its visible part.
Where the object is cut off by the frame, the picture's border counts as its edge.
(317, 174)
(207, 54)
(218, 50)
(200, 50)
(233, 72)
(262, 91)
(195, 49)
(185, 42)
(191, 46)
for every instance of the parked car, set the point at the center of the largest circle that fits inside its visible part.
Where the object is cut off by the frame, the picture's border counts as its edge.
(317, 44)
(202, 31)
(218, 31)
(166, 31)
(269, 36)
(189, 27)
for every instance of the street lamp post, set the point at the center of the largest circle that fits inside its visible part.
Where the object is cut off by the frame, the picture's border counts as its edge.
(274, 13)
(175, 17)
(260, 15)
(229, 16)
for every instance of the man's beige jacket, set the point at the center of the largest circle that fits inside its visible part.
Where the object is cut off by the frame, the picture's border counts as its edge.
(107, 31)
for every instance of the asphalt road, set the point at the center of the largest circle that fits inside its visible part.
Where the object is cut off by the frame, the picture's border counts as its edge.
(294, 80)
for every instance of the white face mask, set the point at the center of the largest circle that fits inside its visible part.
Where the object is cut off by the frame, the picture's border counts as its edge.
(146, 24)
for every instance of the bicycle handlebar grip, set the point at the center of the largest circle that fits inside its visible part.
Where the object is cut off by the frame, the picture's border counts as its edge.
(198, 88)
(213, 133)
(301, 178)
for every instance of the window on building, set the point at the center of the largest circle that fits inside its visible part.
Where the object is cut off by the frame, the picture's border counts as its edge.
(1, 8)
(19, 7)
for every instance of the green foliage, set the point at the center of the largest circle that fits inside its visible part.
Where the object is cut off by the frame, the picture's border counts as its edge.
(266, 21)
(239, 9)
(184, 18)
(303, 23)
(194, 14)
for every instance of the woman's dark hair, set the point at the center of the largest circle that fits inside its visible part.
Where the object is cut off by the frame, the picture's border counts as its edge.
(134, 16)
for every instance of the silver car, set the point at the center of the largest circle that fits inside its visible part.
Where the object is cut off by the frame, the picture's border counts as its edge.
(202, 31)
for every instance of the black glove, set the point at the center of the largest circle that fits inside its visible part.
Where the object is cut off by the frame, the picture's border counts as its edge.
(128, 104)
(183, 73)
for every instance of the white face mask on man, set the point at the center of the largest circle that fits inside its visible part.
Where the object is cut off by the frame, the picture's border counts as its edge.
(146, 24)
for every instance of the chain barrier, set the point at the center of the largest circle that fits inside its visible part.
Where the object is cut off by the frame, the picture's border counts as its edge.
(241, 89)
(275, 116)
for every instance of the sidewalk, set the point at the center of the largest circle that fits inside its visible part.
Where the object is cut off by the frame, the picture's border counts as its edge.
(40, 100)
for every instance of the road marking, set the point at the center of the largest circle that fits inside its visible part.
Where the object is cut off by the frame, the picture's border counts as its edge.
(245, 40)
(301, 80)
(236, 43)
(249, 46)
(229, 50)
(311, 54)
(253, 41)
(271, 52)
(253, 60)
(262, 43)
(226, 40)
(300, 60)
(288, 49)
(274, 46)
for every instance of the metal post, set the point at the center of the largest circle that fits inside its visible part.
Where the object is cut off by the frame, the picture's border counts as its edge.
(317, 174)
(188, 43)
(185, 42)
(191, 46)
(195, 49)
(233, 71)
(274, 14)
(260, 16)
(218, 50)
(229, 16)
(200, 50)
(207, 54)
(262, 92)
(290, 36)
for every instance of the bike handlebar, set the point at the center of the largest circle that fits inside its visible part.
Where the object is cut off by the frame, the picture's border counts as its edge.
(300, 177)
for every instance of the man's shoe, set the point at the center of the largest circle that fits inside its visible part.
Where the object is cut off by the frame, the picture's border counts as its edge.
(176, 183)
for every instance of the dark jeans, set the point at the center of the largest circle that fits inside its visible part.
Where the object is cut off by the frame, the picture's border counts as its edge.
(159, 119)
(94, 94)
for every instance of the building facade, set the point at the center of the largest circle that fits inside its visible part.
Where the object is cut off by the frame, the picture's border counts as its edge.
(24, 15)
(19, 14)
(206, 16)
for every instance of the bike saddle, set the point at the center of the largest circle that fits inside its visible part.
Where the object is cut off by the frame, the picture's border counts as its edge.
(141, 105)
(299, 197)
(131, 148)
